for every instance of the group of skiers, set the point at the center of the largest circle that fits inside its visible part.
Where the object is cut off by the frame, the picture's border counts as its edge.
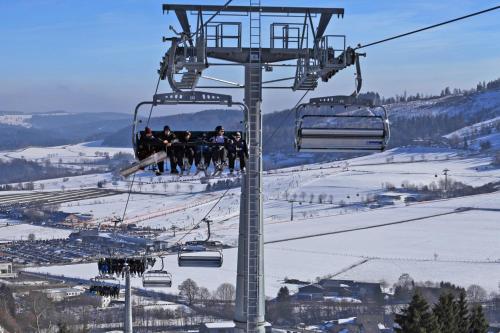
(183, 150)
(114, 266)
(110, 291)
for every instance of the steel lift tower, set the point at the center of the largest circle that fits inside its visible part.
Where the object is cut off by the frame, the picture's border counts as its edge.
(312, 58)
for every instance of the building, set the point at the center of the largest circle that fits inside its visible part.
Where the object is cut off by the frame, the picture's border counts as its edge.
(346, 325)
(6, 270)
(341, 291)
(311, 292)
(58, 294)
(75, 219)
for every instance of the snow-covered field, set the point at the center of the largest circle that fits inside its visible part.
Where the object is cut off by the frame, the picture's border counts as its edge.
(67, 154)
(432, 241)
(11, 230)
(16, 120)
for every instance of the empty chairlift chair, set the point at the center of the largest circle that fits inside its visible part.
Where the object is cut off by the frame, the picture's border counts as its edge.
(203, 253)
(158, 278)
(355, 127)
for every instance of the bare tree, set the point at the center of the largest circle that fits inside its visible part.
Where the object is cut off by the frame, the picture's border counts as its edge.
(189, 289)
(476, 294)
(225, 292)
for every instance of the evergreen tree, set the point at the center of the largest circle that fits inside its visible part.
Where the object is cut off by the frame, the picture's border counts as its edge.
(417, 318)
(283, 294)
(446, 313)
(462, 314)
(284, 306)
(477, 321)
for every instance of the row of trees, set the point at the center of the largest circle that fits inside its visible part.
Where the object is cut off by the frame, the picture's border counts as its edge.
(447, 91)
(449, 315)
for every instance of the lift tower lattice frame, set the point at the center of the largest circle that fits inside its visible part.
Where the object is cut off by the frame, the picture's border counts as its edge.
(316, 58)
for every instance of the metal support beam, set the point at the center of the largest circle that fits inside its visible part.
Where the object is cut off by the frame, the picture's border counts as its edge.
(247, 9)
(127, 323)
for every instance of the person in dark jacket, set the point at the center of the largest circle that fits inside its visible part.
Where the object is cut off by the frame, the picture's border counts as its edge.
(184, 152)
(202, 153)
(237, 148)
(168, 137)
(219, 151)
(148, 144)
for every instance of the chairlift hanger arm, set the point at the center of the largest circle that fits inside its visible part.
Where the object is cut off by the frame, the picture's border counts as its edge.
(184, 21)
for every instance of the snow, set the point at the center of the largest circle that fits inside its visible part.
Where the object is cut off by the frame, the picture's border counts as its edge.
(450, 105)
(78, 154)
(429, 240)
(16, 120)
(470, 130)
(21, 231)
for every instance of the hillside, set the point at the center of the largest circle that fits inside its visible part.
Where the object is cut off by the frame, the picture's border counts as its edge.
(336, 230)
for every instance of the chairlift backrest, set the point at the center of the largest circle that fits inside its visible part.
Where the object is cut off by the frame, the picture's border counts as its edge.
(327, 132)
(208, 258)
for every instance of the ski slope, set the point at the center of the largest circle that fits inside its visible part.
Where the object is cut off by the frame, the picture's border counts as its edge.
(452, 240)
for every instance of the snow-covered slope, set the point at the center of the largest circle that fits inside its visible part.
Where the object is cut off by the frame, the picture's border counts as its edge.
(466, 105)
(336, 235)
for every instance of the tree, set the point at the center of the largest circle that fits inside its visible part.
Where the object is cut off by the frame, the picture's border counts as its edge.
(31, 237)
(416, 318)
(462, 314)
(446, 314)
(39, 309)
(63, 328)
(477, 321)
(225, 292)
(189, 289)
(485, 145)
(204, 294)
(284, 308)
(283, 294)
(476, 293)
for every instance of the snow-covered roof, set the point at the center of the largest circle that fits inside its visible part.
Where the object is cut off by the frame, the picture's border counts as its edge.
(222, 324)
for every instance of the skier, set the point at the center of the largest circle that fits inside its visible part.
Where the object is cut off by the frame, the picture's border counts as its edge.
(219, 149)
(185, 152)
(237, 148)
(168, 137)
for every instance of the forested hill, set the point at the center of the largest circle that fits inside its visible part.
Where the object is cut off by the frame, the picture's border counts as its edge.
(426, 119)
(413, 118)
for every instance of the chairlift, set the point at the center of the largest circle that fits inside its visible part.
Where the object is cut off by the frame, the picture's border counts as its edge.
(105, 285)
(159, 278)
(105, 280)
(356, 129)
(147, 156)
(201, 253)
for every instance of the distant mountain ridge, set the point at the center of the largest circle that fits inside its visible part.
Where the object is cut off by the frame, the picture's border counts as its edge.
(424, 118)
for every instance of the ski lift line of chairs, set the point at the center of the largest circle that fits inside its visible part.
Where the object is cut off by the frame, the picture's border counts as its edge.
(158, 278)
(105, 285)
(328, 132)
(114, 266)
(173, 99)
(201, 253)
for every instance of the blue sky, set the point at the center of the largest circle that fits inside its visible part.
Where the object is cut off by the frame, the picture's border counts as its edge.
(102, 55)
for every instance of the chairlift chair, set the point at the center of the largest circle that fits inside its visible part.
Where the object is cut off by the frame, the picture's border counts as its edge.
(159, 278)
(199, 138)
(105, 280)
(349, 133)
(201, 253)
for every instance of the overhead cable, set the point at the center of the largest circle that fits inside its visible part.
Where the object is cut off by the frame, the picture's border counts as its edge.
(427, 28)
